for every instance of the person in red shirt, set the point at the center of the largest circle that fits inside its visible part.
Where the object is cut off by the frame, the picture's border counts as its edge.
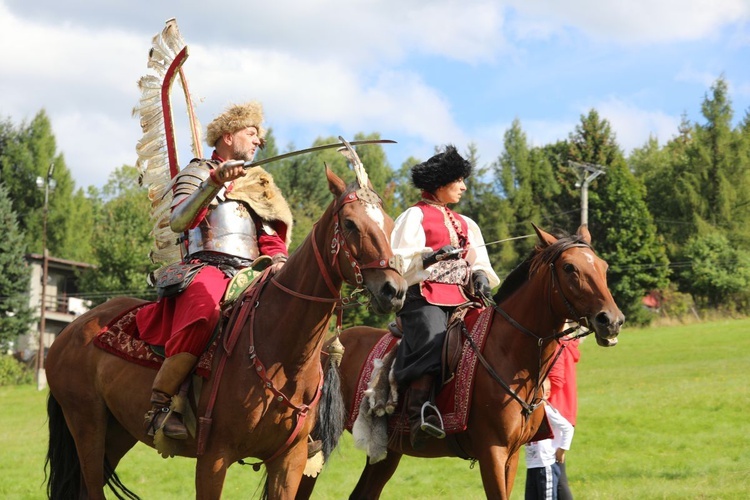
(564, 397)
(229, 218)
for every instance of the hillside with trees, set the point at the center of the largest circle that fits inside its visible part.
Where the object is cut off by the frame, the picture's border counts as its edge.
(672, 219)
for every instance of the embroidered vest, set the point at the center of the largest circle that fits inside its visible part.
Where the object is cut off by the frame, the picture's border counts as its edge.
(445, 284)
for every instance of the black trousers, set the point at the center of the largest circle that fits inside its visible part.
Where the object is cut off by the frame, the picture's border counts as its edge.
(541, 482)
(563, 488)
(424, 326)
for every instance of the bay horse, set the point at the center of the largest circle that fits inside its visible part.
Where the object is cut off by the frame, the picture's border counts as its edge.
(563, 279)
(272, 376)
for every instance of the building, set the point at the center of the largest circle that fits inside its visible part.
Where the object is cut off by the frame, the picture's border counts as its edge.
(62, 303)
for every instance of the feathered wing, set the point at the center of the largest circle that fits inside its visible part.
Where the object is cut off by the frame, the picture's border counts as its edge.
(156, 122)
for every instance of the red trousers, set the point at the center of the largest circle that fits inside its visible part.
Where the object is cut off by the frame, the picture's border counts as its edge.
(185, 322)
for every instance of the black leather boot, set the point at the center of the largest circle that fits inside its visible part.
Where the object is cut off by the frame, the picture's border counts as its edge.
(424, 418)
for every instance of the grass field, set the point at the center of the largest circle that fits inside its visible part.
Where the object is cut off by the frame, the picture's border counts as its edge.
(661, 416)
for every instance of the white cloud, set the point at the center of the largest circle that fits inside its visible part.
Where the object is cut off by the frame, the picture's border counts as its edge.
(635, 21)
(633, 125)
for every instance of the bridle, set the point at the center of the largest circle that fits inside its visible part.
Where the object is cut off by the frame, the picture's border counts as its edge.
(338, 245)
(528, 408)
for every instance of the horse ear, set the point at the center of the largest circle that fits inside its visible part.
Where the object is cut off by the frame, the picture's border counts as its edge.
(544, 237)
(583, 233)
(335, 184)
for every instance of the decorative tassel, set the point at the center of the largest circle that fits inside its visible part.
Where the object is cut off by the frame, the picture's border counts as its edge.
(314, 465)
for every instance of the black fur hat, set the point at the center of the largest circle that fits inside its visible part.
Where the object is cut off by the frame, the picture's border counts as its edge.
(440, 170)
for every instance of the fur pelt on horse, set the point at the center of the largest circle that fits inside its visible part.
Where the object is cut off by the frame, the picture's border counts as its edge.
(260, 192)
(370, 430)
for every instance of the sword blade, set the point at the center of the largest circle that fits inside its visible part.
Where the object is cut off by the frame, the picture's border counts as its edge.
(459, 250)
(251, 164)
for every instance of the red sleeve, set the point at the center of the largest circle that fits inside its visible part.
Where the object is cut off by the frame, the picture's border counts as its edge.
(271, 244)
(557, 373)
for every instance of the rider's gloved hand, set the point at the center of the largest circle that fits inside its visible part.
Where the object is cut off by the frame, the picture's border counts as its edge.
(482, 285)
(447, 252)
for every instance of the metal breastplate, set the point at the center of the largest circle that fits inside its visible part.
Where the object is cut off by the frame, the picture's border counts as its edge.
(228, 228)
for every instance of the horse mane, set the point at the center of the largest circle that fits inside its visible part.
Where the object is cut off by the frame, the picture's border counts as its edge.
(535, 260)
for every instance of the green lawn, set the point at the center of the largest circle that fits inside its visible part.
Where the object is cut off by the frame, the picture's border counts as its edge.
(662, 415)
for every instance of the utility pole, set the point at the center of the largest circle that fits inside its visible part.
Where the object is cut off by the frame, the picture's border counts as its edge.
(48, 183)
(587, 172)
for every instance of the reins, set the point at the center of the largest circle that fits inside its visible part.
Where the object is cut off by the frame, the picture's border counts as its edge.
(529, 408)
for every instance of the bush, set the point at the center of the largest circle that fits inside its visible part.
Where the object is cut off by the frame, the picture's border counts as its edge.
(13, 372)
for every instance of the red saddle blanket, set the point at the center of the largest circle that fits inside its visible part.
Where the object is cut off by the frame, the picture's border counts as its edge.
(120, 337)
(454, 399)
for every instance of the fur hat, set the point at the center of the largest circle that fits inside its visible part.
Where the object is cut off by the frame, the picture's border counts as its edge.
(234, 118)
(440, 170)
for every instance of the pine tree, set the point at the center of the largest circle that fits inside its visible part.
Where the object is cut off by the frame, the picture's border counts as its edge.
(15, 312)
(621, 226)
(524, 176)
(26, 153)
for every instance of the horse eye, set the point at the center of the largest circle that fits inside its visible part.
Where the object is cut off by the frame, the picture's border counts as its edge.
(569, 268)
(349, 225)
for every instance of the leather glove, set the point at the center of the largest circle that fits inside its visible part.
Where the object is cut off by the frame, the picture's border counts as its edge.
(482, 285)
(442, 254)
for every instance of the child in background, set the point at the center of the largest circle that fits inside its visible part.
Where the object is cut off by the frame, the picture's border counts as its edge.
(543, 457)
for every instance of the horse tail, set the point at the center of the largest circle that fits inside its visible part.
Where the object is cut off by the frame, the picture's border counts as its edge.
(114, 483)
(64, 479)
(331, 420)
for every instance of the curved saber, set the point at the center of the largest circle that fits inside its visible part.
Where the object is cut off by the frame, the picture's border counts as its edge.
(251, 164)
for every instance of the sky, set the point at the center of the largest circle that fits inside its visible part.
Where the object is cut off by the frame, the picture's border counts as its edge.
(424, 73)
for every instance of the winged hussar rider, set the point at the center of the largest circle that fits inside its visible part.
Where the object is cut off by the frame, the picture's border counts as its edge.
(232, 218)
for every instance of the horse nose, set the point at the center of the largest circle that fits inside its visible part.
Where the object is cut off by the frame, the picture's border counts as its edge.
(608, 321)
(392, 293)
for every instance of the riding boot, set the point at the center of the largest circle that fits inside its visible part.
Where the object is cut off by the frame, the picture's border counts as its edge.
(424, 418)
(172, 373)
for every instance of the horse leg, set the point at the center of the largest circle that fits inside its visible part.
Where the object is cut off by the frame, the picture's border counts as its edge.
(285, 472)
(306, 487)
(511, 467)
(119, 442)
(210, 473)
(375, 476)
(87, 424)
(493, 466)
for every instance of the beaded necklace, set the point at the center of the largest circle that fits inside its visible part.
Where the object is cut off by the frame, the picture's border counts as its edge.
(455, 231)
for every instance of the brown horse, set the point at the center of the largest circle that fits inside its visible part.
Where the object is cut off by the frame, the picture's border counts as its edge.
(563, 279)
(271, 379)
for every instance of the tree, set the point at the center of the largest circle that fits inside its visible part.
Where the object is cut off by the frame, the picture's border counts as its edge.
(123, 240)
(15, 312)
(621, 226)
(719, 273)
(525, 178)
(26, 154)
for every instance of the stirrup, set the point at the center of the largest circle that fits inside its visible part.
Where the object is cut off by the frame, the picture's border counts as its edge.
(428, 428)
(151, 417)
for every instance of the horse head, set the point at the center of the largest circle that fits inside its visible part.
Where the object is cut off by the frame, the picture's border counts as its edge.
(362, 240)
(579, 283)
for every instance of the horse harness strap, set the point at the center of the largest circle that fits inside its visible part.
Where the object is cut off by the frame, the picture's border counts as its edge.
(529, 408)
(246, 311)
(337, 244)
